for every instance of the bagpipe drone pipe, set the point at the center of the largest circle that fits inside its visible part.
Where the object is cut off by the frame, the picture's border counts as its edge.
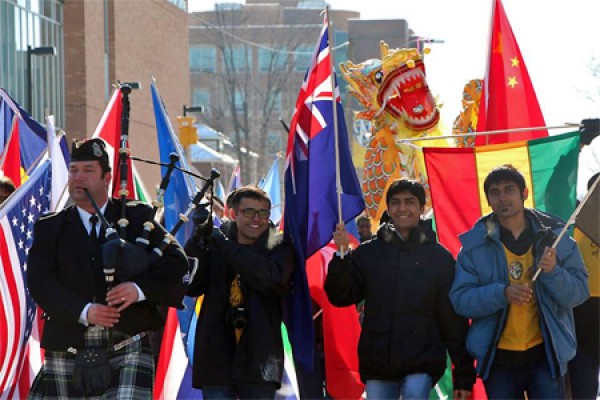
(125, 260)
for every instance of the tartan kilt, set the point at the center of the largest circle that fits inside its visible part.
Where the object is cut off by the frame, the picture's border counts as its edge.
(133, 370)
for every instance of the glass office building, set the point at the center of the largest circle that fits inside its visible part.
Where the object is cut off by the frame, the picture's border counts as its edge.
(30, 71)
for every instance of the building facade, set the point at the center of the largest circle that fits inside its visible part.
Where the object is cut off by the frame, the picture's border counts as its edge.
(32, 76)
(247, 63)
(127, 41)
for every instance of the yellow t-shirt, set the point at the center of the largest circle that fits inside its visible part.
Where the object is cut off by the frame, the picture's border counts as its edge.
(522, 329)
(591, 258)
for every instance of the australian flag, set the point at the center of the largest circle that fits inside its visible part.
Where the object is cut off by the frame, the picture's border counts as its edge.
(311, 206)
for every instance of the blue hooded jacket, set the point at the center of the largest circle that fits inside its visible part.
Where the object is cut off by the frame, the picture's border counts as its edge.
(482, 275)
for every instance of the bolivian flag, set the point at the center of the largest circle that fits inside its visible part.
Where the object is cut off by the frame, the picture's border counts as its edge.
(456, 177)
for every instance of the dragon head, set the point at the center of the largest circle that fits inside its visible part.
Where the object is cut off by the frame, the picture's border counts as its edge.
(393, 89)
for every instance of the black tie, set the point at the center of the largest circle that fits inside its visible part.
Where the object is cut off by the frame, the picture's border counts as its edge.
(93, 233)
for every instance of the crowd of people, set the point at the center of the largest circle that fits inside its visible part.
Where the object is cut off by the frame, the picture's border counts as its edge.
(487, 309)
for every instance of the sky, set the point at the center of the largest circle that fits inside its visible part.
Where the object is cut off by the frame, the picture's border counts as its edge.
(558, 40)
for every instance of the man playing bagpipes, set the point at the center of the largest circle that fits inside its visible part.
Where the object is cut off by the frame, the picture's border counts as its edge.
(99, 291)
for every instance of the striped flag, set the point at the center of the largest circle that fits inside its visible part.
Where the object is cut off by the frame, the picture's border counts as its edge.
(17, 308)
(109, 130)
(456, 178)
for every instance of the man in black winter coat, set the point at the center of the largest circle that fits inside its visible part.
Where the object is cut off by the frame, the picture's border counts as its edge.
(243, 277)
(404, 276)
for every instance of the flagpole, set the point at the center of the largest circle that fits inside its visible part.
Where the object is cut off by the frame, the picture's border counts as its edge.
(495, 132)
(571, 221)
(338, 182)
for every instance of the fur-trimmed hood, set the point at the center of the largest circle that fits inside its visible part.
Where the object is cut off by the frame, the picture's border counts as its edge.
(267, 240)
(422, 234)
(544, 225)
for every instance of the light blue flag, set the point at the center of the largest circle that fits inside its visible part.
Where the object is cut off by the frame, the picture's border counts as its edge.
(178, 196)
(272, 185)
(181, 187)
(220, 191)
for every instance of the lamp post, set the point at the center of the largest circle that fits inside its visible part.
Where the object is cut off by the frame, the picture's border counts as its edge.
(38, 51)
(192, 109)
(419, 41)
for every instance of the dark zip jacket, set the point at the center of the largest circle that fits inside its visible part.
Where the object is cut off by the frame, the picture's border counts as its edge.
(409, 323)
(265, 269)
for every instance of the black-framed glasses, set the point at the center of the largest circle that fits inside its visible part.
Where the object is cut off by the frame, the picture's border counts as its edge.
(251, 212)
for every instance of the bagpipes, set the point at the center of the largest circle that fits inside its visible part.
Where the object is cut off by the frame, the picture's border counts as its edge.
(133, 260)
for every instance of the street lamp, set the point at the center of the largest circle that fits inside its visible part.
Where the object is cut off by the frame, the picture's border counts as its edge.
(420, 41)
(192, 109)
(37, 51)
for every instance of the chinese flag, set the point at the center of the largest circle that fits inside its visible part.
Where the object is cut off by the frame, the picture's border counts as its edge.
(508, 99)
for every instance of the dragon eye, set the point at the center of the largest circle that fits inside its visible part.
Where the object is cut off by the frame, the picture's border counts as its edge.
(379, 77)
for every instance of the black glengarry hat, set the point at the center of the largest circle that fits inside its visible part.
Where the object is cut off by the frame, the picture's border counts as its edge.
(90, 150)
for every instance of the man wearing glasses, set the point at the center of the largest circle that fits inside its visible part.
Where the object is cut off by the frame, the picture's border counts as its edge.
(243, 276)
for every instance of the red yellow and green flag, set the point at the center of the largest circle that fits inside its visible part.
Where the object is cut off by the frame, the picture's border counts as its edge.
(456, 177)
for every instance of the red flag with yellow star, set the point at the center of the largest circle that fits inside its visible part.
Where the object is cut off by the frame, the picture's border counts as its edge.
(508, 99)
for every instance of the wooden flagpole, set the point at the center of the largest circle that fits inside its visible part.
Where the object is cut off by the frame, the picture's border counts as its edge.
(338, 180)
(570, 222)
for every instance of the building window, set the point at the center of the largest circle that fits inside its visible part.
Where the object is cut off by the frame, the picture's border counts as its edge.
(179, 3)
(239, 101)
(276, 102)
(201, 97)
(303, 57)
(273, 145)
(269, 60)
(238, 58)
(203, 59)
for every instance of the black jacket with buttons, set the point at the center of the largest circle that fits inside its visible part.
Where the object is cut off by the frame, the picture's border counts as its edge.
(409, 322)
(64, 274)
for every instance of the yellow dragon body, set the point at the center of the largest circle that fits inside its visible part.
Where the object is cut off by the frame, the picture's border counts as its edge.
(397, 100)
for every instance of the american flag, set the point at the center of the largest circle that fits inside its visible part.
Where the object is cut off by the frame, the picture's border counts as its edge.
(17, 309)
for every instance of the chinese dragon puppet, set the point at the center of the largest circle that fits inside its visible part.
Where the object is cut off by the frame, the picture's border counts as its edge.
(396, 98)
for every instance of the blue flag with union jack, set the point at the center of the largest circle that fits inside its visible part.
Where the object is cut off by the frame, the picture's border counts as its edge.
(311, 207)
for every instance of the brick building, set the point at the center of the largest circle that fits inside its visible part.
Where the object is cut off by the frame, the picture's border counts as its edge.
(97, 42)
(127, 41)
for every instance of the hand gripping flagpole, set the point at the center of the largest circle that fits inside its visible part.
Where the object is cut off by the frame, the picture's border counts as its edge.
(570, 222)
(338, 180)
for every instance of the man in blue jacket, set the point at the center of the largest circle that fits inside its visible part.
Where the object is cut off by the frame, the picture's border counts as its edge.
(522, 332)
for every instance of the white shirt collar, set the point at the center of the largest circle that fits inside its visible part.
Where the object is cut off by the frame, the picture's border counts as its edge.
(85, 218)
